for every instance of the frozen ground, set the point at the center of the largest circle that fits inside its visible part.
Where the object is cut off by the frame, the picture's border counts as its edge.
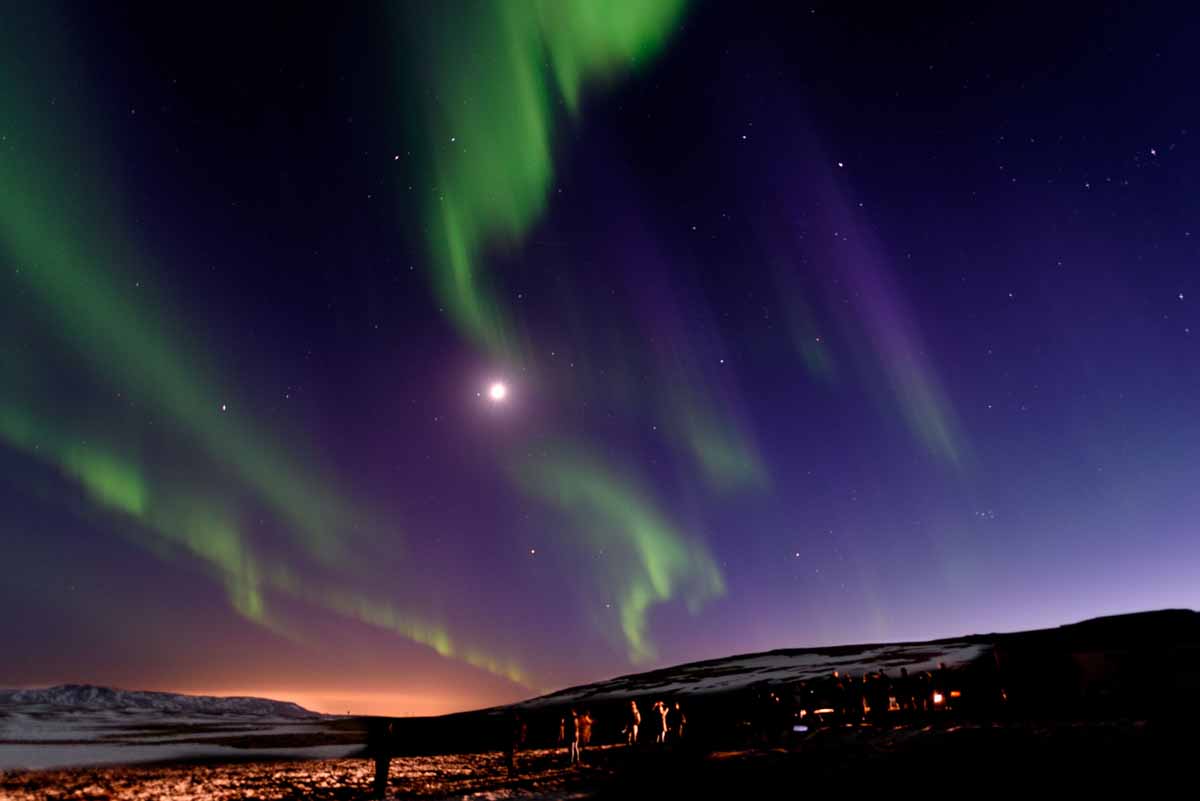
(41, 736)
(48, 724)
(904, 761)
(478, 776)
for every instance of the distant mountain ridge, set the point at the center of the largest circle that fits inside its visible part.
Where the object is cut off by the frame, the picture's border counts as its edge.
(92, 697)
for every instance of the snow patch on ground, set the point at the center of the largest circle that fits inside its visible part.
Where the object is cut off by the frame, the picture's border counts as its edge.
(776, 667)
(76, 727)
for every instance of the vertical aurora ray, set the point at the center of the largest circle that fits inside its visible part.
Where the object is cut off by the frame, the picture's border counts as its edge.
(490, 120)
(722, 452)
(897, 350)
(861, 293)
(802, 321)
(695, 396)
(705, 424)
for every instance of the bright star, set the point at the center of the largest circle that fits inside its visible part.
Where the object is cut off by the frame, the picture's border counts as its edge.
(497, 391)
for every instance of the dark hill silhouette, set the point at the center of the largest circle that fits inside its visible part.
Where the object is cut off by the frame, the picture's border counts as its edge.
(1140, 665)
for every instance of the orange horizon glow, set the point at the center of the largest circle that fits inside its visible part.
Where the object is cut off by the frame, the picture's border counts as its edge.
(356, 702)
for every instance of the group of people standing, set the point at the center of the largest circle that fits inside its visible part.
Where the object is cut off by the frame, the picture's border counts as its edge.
(669, 722)
(773, 710)
(875, 693)
(575, 728)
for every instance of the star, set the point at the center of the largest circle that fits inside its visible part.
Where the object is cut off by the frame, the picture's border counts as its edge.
(497, 392)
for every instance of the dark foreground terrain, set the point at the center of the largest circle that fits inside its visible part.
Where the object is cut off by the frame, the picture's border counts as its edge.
(1025, 756)
(1096, 707)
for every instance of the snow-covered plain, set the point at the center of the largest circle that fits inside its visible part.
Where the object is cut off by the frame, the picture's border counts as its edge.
(80, 725)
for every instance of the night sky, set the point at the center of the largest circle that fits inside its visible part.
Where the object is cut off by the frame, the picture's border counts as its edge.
(817, 323)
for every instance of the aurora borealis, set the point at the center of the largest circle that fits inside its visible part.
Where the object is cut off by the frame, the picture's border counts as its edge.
(815, 325)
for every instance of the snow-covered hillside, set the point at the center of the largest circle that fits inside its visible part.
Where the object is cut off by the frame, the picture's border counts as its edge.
(770, 668)
(91, 697)
(81, 724)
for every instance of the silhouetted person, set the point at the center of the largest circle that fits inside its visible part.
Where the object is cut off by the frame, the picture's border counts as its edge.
(839, 696)
(904, 693)
(881, 700)
(863, 694)
(632, 722)
(516, 739)
(661, 709)
(585, 730)
(777, 717)
(562, 731)
(381, 744)
(853, 698)
(677, 720)
(573, 737)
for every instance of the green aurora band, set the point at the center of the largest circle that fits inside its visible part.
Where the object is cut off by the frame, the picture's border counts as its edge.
(68, 264)
(170, 522)
(649, 560)
(73, 257)
(501, 72)
(491, 83)
(56, 229)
